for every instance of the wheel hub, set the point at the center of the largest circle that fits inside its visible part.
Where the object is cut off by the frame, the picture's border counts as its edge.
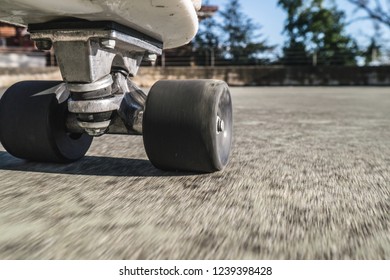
(220, 125)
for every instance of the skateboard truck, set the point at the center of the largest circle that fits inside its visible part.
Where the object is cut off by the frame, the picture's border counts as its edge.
(118, 113)
(186, 125)
(96, 60)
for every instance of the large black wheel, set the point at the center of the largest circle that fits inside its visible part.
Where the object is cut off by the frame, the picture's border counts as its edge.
(187, 125)
(32, 124)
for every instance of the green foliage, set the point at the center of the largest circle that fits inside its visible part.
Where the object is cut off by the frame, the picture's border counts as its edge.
(295, 54)
(207, 42)
(239, 35)
(233, 40)
(317, 31)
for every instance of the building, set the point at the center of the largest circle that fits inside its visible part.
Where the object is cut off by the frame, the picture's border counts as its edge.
(14, 36)
(16, 48)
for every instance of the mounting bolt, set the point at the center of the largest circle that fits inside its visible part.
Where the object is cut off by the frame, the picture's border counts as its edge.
(43, 45)
(152, 57)
(108, 43)
(95, 132)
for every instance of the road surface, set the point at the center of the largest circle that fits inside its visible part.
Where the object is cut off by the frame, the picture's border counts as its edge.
(309, 178)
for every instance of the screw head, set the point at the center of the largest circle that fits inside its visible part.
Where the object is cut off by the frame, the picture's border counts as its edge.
(150, 57)
(95, 132)
(108, 43)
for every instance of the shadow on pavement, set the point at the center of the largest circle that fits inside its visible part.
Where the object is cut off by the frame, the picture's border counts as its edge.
(90, 166)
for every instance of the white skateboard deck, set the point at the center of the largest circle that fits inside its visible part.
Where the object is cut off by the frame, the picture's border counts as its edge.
(174, 22)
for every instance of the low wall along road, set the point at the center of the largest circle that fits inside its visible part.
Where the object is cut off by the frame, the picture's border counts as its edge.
(235, 76)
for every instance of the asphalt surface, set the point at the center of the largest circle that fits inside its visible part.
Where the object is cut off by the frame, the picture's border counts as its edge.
(309, 178)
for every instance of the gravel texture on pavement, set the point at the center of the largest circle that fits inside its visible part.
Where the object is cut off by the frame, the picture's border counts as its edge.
(309, 178)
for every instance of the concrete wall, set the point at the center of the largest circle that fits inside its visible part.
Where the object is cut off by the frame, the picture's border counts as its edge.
(235, 76)
(22, 60)
(9, 76)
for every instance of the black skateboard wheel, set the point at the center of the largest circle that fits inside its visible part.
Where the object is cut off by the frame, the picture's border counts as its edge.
(187, 125)
(32, 124)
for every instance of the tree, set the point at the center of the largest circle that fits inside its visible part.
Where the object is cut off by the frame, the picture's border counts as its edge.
(239, 37)
(295, 53)
(207, 42)
(317, 31)
(376, 10)
(372, 53)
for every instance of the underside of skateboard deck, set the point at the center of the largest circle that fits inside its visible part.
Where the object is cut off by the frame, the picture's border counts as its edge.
(173, 22)
(186, 124)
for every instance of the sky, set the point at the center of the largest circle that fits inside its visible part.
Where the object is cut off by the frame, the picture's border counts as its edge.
(272, 18)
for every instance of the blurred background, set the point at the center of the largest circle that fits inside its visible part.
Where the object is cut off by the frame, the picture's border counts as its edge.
(277, 42)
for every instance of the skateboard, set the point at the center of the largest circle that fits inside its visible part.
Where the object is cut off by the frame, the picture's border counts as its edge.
(186, 125)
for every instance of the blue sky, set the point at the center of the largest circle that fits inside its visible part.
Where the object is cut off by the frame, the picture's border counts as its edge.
(271, 18)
